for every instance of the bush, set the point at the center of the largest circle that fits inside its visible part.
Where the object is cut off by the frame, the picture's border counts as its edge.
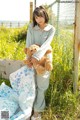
(12, 42)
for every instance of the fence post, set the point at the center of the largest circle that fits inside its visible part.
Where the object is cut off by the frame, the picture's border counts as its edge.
(2, 24)
(10, 24)
(31, 10)
(18, 24)
(35, 3)
(76, 45)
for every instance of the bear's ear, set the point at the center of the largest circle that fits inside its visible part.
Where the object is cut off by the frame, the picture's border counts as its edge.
(48, 51)
(25, 50)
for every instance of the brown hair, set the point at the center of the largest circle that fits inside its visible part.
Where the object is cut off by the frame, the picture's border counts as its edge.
(40, 12)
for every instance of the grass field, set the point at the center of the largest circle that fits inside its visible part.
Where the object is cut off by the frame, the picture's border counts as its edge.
(61, 103)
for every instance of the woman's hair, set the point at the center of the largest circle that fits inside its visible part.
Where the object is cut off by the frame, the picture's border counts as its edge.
(40, 12)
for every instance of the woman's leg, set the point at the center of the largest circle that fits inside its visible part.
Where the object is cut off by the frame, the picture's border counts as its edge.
(42, 83)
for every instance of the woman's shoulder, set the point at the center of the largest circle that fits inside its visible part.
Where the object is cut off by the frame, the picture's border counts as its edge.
(30, 25)
(49, 27)
(36, 27)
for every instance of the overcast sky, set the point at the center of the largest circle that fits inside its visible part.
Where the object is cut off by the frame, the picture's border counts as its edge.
(17, 10)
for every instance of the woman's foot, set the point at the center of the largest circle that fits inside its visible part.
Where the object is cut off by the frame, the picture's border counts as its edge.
(36, 116)
(28, 118)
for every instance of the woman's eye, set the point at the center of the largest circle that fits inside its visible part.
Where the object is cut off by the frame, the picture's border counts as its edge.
(36, 17)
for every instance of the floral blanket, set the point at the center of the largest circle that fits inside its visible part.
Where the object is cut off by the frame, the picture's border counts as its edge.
(16, 101)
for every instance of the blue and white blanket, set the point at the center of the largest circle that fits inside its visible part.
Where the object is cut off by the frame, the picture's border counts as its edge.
(18, 100)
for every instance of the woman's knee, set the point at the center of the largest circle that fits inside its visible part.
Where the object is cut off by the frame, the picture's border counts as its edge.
(43, 82)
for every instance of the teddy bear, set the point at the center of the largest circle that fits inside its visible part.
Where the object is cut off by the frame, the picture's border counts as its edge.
(41, 66)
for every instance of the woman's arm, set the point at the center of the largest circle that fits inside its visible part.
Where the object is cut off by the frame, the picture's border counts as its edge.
(28, 43)
(45, 46)
(29, 40)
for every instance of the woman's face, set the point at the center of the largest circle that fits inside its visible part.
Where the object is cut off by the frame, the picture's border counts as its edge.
(40, 20)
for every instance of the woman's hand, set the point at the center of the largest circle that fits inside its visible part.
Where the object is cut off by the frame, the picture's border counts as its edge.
(34, 60)
(30, 65)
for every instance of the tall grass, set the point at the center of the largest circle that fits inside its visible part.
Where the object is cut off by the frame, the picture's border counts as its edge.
(61, 103)
(12, 42)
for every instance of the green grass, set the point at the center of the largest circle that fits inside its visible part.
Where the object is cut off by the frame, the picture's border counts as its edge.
(6, 81)
(12, 43)
(61, 103)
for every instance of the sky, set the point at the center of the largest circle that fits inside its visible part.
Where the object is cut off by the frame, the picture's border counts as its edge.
(14, 10)
(17, 10)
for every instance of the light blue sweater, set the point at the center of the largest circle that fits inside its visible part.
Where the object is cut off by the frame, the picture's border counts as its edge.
(35, 35)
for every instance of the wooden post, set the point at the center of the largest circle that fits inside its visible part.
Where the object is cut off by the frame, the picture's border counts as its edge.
(10, 24)
(31, 10)
(34, 3)
(2, 23)
(76, 45)
(18, 24)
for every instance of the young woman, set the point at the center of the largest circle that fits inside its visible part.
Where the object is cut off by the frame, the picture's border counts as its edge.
(40, 33)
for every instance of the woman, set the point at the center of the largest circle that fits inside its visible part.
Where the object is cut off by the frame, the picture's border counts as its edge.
(40, 33)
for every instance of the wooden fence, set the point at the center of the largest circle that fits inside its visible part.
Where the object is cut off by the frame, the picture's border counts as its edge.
(12, 24)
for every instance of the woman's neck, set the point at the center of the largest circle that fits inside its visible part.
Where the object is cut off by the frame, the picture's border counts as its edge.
(43, 26)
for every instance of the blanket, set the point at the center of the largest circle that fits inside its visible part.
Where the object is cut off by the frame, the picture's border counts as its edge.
(16, 102)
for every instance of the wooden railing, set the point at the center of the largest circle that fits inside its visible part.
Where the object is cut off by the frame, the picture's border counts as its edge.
(12, 24)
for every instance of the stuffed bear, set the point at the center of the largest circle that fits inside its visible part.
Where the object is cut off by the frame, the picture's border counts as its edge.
(41, 66)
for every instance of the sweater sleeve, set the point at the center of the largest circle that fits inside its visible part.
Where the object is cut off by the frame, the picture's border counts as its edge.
(29, 36)
(45, 46)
